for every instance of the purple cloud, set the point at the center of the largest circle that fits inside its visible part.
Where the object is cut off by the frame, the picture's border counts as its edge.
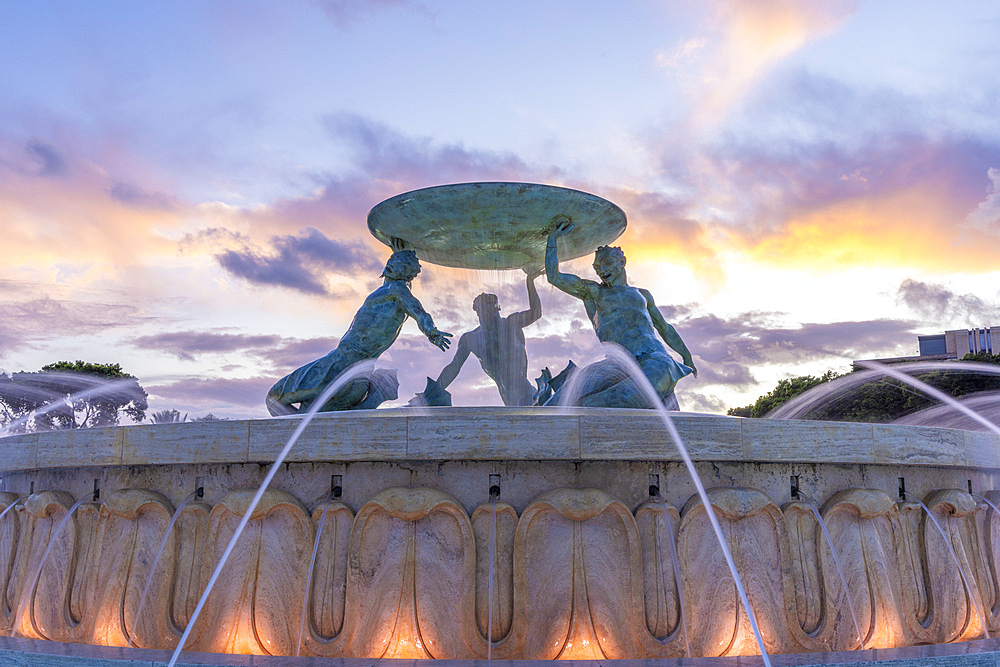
(827, 146)
(937, 303)
(298, 262)
(751, 338)
(24, 323)
(50, 161)
(188, 344)
(234, 396)
(278, 355)
(418, 162)
(345, 12)
(133, 196)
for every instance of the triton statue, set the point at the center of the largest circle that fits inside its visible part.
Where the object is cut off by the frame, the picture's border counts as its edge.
(624, 315)
(375, 327)
(498, 343)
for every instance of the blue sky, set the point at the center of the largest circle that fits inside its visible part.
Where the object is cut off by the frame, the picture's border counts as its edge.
(184, 185)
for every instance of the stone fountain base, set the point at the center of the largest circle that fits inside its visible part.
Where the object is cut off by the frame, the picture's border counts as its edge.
(594, 510)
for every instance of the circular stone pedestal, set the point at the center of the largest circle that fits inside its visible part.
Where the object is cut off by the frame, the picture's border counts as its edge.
(595, 510)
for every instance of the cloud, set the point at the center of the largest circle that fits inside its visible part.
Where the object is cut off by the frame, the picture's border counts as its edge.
(134, 196)
(24, 324)
(384, 163)
(987, 213)
(187, 345)
(749, 39)
(858, 194)
(298, 262)
(345, 12)
(58, 207)
(233, 396)
(280, 355)
(695, 401)
(727, 350)
(753, 338)
(50, 161)
(682, 54)
(409, 162)
(939, 304)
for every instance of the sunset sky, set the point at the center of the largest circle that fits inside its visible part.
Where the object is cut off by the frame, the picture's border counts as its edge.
(184, 185)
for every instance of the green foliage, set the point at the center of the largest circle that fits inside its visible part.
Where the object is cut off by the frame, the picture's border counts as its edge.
(111, 371)
(984, 357)
(880, 400)
(168, 417)
(209, 418)
(786, 390)
(70, 395)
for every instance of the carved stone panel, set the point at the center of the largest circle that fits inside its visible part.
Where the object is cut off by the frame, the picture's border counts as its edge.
(753, 528)
(255, 605)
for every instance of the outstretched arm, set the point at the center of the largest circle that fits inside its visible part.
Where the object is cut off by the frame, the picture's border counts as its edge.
(567, 282)
(424, 321)
(667, 332)
(450, 372)
(530, 316)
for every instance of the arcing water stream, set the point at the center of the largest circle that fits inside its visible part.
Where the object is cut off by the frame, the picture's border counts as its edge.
(628, 364)
(360, 369)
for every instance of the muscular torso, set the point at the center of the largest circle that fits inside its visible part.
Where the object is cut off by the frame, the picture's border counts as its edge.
(376, 324)
(620, 315)
(501, 353)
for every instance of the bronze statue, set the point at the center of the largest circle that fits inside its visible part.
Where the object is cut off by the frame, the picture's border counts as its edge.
(498, 343)
(624, 315)
(375, 327)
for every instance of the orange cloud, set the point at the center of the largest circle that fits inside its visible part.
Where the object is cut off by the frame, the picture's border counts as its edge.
(74, 219)
(913, 227)
(755, 36)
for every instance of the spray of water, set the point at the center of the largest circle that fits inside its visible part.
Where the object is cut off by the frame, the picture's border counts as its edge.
(974, 495)
(984, 403)
(491, 571)
(113, 388)
(309, 576)
(361, 369)
(836, 562)
(668, 530)
(10, 507)
(629, 365)
(958, 564)
(936, 393)
(23, 392)
(29, 590)
(801, 406)
(156, 561)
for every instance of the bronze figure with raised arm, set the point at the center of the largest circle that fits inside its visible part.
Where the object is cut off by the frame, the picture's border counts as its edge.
(624, 315)
(498, 343)
(375, 327)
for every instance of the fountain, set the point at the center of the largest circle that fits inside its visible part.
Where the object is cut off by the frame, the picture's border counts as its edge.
(500, 533)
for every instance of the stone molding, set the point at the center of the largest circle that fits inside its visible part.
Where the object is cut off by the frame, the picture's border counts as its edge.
(577, 574)
(500, 433)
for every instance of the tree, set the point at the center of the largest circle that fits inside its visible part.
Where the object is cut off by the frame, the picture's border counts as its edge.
(786, 390)
(168, 417)
(70, 395)
(209, 418)
(17, 401)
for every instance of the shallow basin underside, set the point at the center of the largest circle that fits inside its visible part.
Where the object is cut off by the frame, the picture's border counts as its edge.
(595, 509)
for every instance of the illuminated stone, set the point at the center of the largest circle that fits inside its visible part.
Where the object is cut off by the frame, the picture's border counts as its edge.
(582, 566)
